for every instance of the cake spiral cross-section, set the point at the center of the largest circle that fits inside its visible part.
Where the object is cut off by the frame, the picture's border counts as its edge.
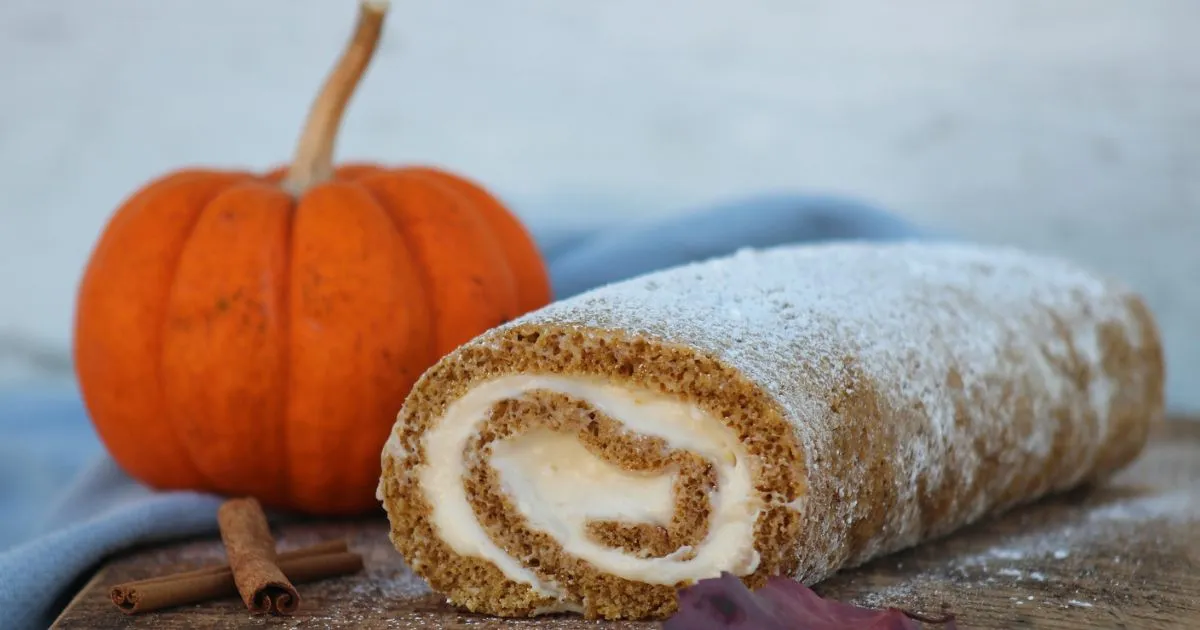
(792, 411)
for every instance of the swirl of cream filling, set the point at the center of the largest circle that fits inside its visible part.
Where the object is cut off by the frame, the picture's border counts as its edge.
(559, 485)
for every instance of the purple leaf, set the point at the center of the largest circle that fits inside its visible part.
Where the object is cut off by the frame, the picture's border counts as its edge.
(724, 603)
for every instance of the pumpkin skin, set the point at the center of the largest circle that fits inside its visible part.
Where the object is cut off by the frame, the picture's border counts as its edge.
(232, 339)
(233, 336)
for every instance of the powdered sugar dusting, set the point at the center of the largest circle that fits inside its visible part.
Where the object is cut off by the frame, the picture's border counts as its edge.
(1116, 527)
(964, 334)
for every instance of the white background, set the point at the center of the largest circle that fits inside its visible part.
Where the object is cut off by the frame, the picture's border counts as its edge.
(1070, 126)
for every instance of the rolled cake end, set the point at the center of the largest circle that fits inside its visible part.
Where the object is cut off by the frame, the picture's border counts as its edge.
(793, 412)
(544, 469)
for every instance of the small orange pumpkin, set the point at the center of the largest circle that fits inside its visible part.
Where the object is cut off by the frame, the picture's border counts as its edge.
(255, 334)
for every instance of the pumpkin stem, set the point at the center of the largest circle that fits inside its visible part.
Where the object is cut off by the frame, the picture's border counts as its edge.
(313, 161)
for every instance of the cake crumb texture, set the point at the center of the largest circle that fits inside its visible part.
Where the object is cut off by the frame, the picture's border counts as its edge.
(887, 394)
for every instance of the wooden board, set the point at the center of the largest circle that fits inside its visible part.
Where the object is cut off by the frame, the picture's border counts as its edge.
(1125, 555)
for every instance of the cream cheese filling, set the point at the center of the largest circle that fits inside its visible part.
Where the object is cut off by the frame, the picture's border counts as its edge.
(558, 485)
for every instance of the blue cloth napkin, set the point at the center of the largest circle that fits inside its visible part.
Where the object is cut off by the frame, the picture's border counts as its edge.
(105, 511)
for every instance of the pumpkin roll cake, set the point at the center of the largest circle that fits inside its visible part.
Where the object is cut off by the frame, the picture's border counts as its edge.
(795, 411)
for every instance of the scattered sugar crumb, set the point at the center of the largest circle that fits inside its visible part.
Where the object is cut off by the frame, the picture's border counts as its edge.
(1015, 555)
(1179, 504)
(1007, 554)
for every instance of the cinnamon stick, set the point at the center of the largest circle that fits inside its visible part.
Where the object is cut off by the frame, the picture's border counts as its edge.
(308, 564)
(250, 549)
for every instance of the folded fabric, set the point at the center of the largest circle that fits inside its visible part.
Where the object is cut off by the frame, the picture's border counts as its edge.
(112, 513)
(48, 439)
(106, 511)
(762, 221)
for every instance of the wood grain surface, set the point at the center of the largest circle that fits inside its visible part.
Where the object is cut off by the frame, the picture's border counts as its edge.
(1123, 555)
